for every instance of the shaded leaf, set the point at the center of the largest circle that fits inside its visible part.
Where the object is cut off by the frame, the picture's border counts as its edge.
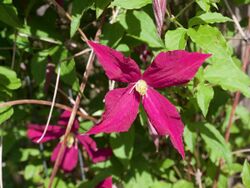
(140, 26)
(122, 145)
(9, 15)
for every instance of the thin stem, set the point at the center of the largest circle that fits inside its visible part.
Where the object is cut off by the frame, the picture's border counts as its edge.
(14, 51)
(44, 161)
(247, 150)
(71, 119)
(46, 103)
(185, 8)
(81, 165)
(242, 33)
(52, 105)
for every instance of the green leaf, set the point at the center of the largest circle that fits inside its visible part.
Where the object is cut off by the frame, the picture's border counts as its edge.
(245, 175)
(128, 4)
(8, 78)
(215, 143)
(39, 62)
(9, 15)
(141, 26)
(161, 185)
(100, 6)
(182, 184)
(122, 145)
(112, 34)
(223, 71)
(140, 179)
(29, 171)
(5, 114)
(78, 8)
(204, 4)
(189, 138)
(205, 94)
(176, 39)
(208, 18)
(68, 74)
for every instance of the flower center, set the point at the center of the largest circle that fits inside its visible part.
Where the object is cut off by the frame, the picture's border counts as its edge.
(70, 140)
(141, 87)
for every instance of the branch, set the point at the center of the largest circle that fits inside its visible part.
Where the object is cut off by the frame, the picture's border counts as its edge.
(242, 33)
(46, 103)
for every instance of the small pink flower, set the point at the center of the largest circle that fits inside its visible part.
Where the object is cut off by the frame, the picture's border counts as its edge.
(106, 183)
(122, 104)
(70, 156)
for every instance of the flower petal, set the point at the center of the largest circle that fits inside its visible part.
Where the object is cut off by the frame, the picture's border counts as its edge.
(117, 67)
(96, 155)
(35, 131)
(64, 119)
(121, 108)
(106, 183)
(164, 117)
(173, 68)
(69, 159)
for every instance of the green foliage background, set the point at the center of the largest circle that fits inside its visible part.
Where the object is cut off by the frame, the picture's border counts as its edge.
(32, 35)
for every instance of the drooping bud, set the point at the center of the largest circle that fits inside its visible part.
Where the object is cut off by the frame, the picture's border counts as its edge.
(159, 7)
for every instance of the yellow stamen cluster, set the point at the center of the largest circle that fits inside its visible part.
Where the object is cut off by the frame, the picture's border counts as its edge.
(141, 87)
(70, 140)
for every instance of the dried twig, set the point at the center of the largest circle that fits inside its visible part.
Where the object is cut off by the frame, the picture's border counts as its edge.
(52, 105)
(242, 33)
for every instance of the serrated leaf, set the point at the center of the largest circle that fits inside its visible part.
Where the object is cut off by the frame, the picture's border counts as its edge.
(208, 18)
(245, 175)
(223, 70)
(205, 94)
(215, 143)
(128, 4)
(176, 39)
(122, 145)
(9, 16)
(141, 26)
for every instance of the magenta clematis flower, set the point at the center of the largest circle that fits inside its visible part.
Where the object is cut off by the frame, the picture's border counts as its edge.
(70, 156)
(121, 105)
(106, 183)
